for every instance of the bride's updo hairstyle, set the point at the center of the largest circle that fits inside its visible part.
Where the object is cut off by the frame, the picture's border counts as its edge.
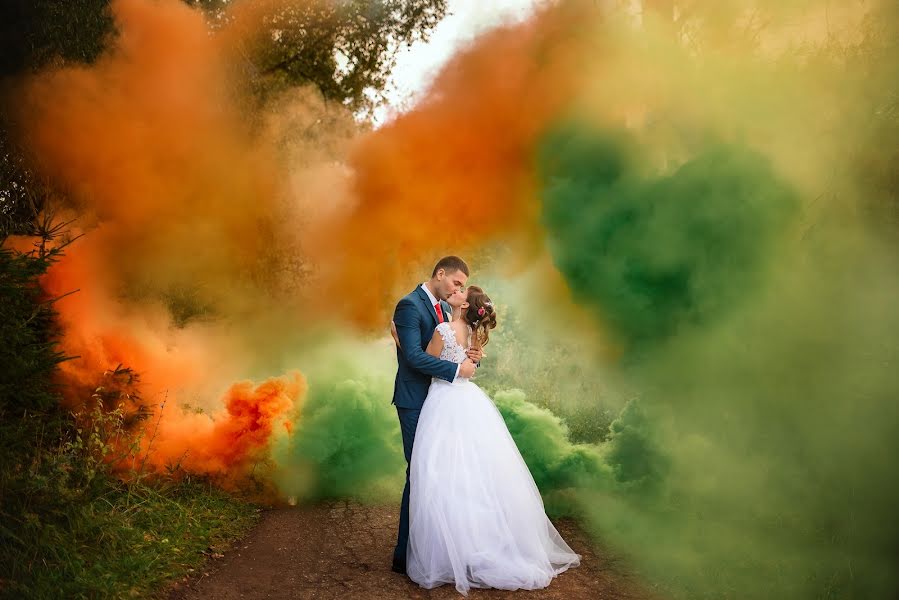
(480, 314)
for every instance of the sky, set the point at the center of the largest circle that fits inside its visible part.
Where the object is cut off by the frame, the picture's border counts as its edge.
(418, 64)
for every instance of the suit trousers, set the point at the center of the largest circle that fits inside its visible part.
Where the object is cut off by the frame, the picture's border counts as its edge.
(408, 423)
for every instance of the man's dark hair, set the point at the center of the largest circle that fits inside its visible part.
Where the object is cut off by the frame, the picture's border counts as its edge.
(450, 264)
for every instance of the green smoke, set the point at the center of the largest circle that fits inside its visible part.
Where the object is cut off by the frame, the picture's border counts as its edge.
(763, 361)
(346, 440)
(659, 254)
(627, 462)
(558, 466)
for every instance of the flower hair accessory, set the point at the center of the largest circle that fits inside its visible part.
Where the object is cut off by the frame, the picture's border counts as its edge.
(481, 311)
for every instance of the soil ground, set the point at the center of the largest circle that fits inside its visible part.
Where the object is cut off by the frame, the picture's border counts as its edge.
(343, 550)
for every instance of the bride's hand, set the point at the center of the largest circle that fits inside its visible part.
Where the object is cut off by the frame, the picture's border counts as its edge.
(396, 336)
(475, 354)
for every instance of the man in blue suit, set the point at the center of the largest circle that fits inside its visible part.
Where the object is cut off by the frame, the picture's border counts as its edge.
(415, 318)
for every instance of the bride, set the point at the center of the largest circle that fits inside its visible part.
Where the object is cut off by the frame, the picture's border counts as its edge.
(476, 517)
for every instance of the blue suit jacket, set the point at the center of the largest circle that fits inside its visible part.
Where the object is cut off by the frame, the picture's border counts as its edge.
(415, 321)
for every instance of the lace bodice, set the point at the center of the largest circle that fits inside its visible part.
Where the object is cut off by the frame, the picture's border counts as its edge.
(452, 351)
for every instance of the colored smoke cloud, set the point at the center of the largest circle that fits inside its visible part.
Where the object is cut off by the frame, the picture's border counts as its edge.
(661, 253)
(455, 172)
(188, 251)
(723, 206)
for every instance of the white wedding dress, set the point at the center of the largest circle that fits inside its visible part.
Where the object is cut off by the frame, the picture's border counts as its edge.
(476, 518)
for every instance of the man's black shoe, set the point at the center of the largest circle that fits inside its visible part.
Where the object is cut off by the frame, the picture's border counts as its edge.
(399, 567)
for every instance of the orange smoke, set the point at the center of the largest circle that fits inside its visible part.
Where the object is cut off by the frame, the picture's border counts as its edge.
(103, 332)
(175, 193)
(233, 442)
(456, 171)
(173, 364)
(151, 142)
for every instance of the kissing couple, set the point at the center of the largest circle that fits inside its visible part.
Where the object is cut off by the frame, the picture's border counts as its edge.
(471, 513)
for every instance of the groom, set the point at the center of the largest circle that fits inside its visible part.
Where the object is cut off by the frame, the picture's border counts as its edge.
(415, 318)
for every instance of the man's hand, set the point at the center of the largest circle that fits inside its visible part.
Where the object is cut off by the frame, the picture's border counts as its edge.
(475, 354)
(467, 369)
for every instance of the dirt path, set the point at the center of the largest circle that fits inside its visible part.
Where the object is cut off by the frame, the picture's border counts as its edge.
(343, 550)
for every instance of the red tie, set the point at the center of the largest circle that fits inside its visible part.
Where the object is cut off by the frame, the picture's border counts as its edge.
(439, 313)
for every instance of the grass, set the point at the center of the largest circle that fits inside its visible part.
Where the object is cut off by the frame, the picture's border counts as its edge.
(128, 542)
(79, 515)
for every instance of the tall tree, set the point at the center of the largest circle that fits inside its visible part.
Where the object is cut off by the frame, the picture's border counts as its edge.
(347, 48)
(34, 34)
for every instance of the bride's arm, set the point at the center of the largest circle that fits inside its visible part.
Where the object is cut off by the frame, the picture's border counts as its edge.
(435, 346)
(407, 318)
(396, 336)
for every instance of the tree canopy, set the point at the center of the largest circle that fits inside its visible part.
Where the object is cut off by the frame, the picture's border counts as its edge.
(346, 48)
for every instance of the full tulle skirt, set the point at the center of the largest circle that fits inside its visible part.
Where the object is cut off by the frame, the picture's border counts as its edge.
(476, 517)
